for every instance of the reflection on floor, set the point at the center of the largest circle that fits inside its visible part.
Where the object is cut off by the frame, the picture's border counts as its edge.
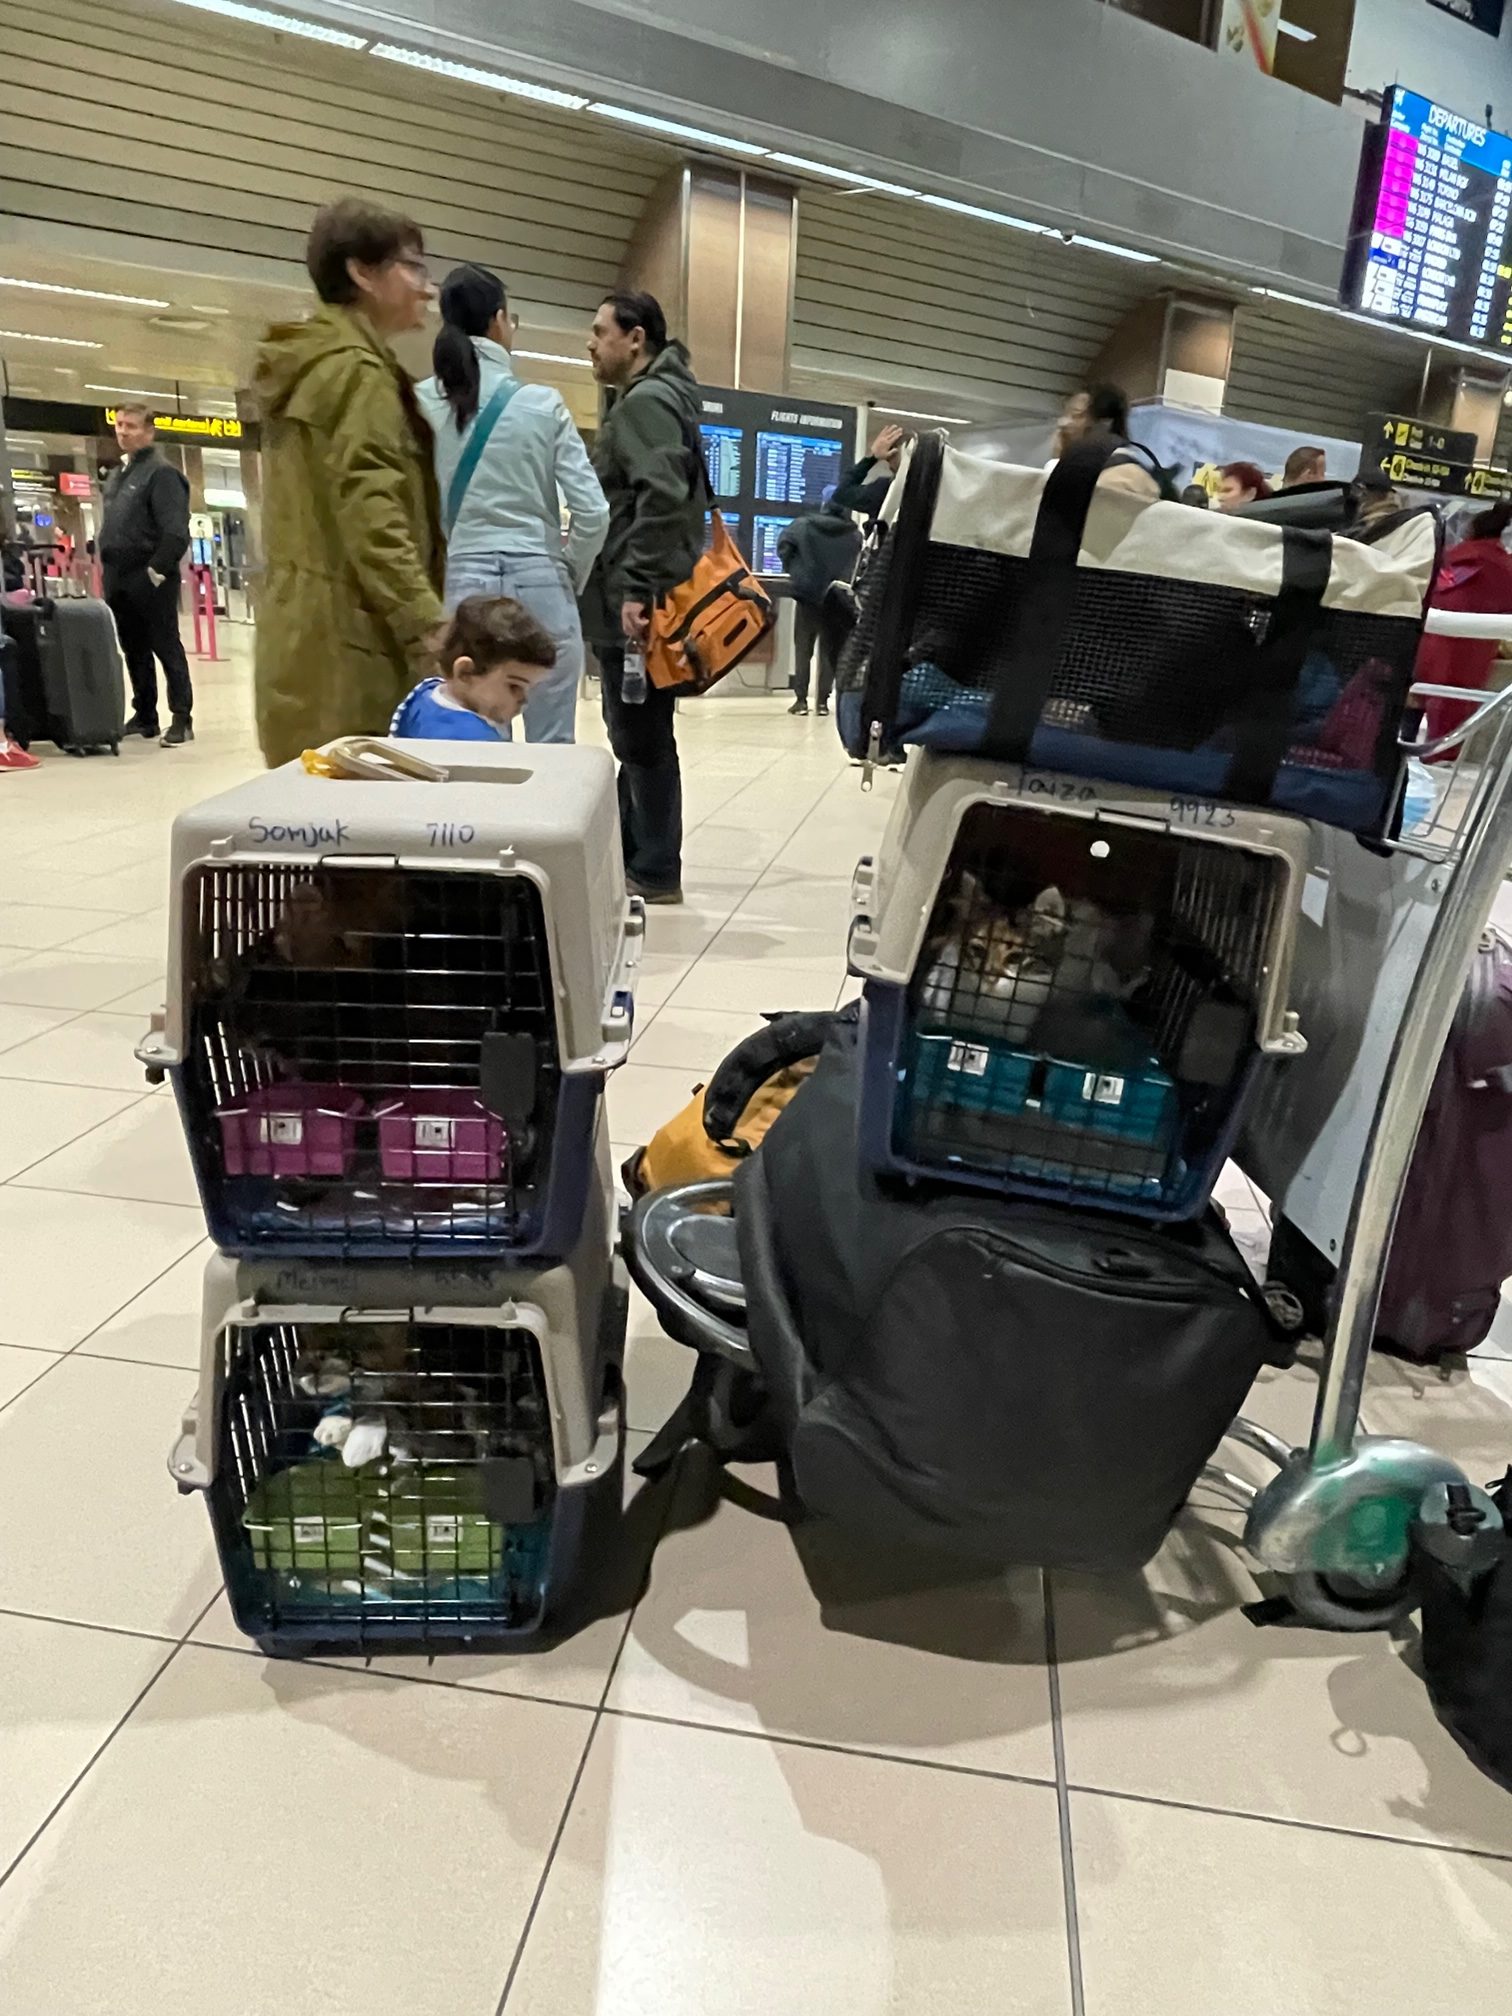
(788, 1780)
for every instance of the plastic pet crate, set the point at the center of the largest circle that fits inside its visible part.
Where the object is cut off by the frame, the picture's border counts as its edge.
(484, 1406)
(455, 987)
(1069, 986)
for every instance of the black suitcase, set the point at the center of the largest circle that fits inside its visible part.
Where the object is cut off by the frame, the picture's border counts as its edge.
(988, 1378)
(25, 703)
(83, 677)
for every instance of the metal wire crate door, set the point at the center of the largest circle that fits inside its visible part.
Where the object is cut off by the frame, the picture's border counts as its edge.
(373, 1051)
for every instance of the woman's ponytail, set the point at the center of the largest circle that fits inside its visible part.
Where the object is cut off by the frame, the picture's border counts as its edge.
(470, 299)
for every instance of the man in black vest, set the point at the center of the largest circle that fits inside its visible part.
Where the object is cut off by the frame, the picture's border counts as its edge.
(144, 535)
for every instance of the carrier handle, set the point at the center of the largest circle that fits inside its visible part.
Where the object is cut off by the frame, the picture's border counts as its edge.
(370, 759)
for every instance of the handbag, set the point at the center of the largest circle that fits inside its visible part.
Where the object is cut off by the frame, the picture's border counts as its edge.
(703, 628)
(1045, 619)
(472, 449)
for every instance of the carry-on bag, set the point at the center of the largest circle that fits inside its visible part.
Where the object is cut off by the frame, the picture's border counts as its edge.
(25, 706)
(1045, 619)
(703, 628)
(1467, 1624)
(1452, 1248)
(83, 677)
(994, 1379)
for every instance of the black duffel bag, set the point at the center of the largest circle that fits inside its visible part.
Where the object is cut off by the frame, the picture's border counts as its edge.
(1467, 1648)
(1001, 1380)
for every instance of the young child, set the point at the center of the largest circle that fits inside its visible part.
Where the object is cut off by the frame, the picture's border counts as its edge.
(491, 654)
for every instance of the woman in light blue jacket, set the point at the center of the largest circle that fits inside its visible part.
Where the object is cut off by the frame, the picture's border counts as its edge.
(507, 458)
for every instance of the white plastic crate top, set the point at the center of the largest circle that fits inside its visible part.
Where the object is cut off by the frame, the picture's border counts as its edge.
(894, 891)
(992, 507)
(542, 811)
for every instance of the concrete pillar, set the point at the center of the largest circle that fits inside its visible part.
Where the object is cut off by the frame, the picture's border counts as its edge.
(1173, 346)
(193, 464)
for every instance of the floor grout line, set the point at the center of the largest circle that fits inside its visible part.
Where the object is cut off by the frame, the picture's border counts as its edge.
(73, 1141)
(41, 1375)
(1063, 1805)
(546, 1867)
(86, 1624)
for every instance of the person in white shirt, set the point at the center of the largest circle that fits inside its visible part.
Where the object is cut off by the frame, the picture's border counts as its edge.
(508, 457)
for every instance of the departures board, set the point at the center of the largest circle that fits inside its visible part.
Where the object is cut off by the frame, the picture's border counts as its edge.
(770, 458)
(1433, 216)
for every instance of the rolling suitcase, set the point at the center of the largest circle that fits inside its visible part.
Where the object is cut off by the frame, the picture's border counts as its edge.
(83, 677)
(25, 704)
(1453, 1244)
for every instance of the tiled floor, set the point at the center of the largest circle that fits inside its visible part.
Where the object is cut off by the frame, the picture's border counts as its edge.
(789, 1779)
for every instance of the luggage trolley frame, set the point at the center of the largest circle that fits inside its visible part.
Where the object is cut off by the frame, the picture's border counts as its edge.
(1335, 1522)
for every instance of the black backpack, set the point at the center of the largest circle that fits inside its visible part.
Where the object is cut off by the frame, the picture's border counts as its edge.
(996, 1379)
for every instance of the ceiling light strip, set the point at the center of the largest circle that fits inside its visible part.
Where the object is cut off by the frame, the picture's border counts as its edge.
(1384, 327)
(81, 293)
(910, 413)
(62, 342)
(282, 24)
(674, 129)
(856, 176)
(473, 73)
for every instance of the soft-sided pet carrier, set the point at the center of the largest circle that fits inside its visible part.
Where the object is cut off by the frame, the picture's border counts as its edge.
(1041, 619)
(1069, 985)
(392, 1004)
(407, 1453)
(970, 1374)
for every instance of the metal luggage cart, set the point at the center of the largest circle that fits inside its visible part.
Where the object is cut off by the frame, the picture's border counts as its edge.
(1331, 1144)
(1336, 1520)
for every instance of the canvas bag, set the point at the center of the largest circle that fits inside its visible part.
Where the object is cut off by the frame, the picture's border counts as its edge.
(1050, 619)
(702, 629)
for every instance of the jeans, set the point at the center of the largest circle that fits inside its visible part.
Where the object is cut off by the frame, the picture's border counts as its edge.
(809, 629)
(147, 620)
(644, 739)
(541, 583)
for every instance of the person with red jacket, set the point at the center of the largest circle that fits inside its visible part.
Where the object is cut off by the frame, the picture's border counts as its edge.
(1475, 578)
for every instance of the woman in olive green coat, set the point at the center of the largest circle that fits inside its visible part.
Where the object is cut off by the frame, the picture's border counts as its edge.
(351, 594)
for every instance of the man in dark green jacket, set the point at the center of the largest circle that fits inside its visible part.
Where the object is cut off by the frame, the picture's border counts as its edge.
(646, 458)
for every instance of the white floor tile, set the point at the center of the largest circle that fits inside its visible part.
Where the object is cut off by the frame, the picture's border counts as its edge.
(22, 1025)
(21, 1368)
(38, 926)
(140, 1156)
(767, 987)
(94, 1530)
(644, 1097)
(37, 1120)
(72, 1263)
(94, 1049)
(62, 979)
(222, 1825)
(164, 1324)
(845, 1883)
(683, 1039)
(65, 1688)
(126, 937)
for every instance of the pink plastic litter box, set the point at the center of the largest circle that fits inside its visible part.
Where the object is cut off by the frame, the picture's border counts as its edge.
(440, 1137)
(291, 1130)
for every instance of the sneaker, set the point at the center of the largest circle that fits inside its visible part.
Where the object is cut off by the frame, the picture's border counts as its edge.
(14, 757)
(823, 710)
(181, 732)
(799, 707)
(653, 895)
(140, 725)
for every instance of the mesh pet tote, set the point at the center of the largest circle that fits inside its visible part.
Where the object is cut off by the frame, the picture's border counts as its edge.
(1039, 618)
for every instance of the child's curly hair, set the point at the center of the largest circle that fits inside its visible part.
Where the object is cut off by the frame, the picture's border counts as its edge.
(494, 630)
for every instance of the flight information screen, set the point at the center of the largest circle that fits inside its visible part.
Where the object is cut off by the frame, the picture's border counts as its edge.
(796, 468)
(732, 526)
(1432, 225)
(724, 452)
(764, 557)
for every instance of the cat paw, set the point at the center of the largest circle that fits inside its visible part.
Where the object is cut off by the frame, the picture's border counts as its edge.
(332, 1430)
(367, 1439)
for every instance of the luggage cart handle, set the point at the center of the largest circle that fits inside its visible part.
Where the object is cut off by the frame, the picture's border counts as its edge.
(1486, 710)
(1461, 623)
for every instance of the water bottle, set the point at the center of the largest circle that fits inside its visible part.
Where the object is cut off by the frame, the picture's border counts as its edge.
(633, 678)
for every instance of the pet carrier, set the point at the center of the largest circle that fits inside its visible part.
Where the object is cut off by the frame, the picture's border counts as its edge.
(1069, 986)
(392, 1004)
(1039, 618)
(396, 1452)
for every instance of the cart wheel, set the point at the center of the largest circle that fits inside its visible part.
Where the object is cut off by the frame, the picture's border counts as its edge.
(1340, 1603)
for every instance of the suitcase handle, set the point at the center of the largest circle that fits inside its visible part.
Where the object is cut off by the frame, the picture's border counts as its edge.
(371, 760)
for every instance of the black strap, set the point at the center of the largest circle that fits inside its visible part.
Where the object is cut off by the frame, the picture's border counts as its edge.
(1265, 725)
(786, 1040)
(899, 587)
(1044, 599)
(693, 442)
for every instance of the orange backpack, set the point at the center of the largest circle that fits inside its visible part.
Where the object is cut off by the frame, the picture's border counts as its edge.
(704, 627)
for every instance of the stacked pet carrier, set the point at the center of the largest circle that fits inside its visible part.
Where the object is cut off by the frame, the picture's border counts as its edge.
(1070, 984)
(392, 1006)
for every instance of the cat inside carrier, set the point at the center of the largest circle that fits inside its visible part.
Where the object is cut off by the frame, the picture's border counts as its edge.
(1083, 1017)
(384, 1476)
(372, 1055)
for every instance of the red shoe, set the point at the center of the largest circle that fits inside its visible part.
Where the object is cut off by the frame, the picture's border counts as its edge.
(14, 757)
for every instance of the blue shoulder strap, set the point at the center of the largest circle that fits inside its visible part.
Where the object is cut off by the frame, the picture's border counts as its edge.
(472, 452)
